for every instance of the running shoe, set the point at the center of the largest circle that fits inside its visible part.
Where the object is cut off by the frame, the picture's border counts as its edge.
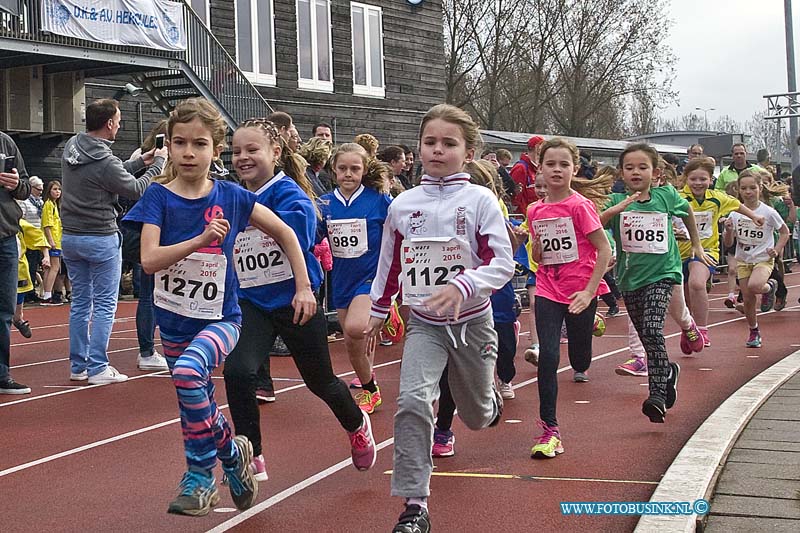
(730, 301)
(580, 377)
(498, 400)
(259, 468)
(691, 340)
(155, 361)
(362, 445)
(612, 311)
(355, 383)
(443, 443)
(672, 385)
(414, 519)
(393, 327)
(548, 444)
(367, 401)
(706, 338)
(79, 376)
(24, 328)
(754, 340)
(265, 395)
(532, 354)
(635, 366)
(239, 477)
(9, 386)
(198, 494)
(768, 298)
(780, 303)
(654, 408)
(506, 390)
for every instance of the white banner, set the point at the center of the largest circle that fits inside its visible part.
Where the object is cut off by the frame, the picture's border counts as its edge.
(149, 23)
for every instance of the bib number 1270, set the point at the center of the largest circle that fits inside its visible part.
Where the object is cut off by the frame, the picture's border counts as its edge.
(189, 288)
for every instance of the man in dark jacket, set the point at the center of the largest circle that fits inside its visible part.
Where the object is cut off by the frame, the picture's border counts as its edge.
(93, 179)
(13, 186)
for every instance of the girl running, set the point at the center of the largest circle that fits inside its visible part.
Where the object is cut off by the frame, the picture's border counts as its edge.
(188, 230)
(708, 206)
(354, 215)
(269, 295)
(448, 238)
(51, 226)
(649, 264)
(755, 248)
(573, 252)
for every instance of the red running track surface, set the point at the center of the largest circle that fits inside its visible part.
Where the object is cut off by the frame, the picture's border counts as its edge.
(81, 458)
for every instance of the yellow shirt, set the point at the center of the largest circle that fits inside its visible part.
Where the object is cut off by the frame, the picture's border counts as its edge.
(707, 213)
(532, 265)
(52, 219)
(29, 238)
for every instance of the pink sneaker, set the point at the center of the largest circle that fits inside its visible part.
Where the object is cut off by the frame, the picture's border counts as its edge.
(691, 340)
(355, 383)
(362, 446)
(443, 443)
(706, 339)
(635, 366)
(259, 468)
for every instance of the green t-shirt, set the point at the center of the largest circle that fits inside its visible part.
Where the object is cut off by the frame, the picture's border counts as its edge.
(635, 270)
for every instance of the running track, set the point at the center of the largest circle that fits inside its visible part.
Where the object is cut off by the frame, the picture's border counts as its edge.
(82, 458)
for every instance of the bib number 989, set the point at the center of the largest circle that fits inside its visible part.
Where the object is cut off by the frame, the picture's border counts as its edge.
(344, 241)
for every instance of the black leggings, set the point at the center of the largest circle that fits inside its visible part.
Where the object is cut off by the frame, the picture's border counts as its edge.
(309, 347)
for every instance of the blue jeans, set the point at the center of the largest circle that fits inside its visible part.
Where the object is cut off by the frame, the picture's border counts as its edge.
(9, 257)
(94, 263)
(145, 312)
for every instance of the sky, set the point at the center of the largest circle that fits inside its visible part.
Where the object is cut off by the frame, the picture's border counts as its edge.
(730, 53)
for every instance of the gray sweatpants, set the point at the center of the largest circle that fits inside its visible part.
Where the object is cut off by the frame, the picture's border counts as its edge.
(470, 349)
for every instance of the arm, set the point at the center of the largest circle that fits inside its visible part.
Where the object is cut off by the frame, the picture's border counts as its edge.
(120, 181)
(749, 213)
(614, 210)
(48, 234)
(582, 299)
(783, 238)
(156, 257)
(304, 302)
(727, 237)
(694, 236)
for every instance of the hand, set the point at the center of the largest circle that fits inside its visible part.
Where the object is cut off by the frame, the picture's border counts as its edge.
(9, 180)
(214, 231)
(702, 256)
(536, 248)
(580, 301)
(45, 261)
(729, 223)
(305, 306)
(758, 219)
(161, 152)
(611, 263)
(373, 328)
(772, 252)
(630, 199)
(444, 300)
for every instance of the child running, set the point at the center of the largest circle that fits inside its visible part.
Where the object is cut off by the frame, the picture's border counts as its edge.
(448, 238)
(709, 206)
(649, 264)
(188, 230)
(573, 252)
(756, 249)
(354, 215)
(276, 299)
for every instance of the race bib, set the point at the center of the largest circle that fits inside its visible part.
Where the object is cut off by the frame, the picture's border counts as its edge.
(428, 264)
(348, 237)
(559, 244)
(749, 234)
(704, 221)
(193, 287)
(644, 233)
(259, 259)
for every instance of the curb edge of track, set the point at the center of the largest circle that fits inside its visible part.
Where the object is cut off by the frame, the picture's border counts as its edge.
(693, 473)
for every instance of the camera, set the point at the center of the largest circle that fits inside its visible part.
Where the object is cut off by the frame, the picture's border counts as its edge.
(7, 163)
(160, 141)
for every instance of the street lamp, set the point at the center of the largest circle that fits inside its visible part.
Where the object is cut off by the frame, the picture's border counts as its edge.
(705, 113)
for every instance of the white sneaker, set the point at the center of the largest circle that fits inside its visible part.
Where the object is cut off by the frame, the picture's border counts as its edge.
(80, 376)
(152, 362)
(506, 391)
(109, 375)
(532, 354)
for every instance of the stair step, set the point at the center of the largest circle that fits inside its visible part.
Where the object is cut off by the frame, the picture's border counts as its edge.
(163, 77)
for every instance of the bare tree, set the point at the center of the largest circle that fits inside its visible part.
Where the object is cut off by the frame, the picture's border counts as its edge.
(461, 57)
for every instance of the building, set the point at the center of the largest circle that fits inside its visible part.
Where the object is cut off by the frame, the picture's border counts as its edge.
(373, 66)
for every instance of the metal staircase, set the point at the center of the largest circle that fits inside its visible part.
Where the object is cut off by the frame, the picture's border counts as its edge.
(207, 70)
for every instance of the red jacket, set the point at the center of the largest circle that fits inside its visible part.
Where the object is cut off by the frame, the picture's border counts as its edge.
(524, 174)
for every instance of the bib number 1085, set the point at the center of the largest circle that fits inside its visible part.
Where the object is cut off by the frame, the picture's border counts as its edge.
(191, 288)
(439, 273)
(643, 235)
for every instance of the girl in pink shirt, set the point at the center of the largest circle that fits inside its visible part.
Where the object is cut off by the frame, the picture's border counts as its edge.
(573, 253)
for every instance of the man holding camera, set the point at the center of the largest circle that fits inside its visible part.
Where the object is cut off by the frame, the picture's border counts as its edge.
(13, 186)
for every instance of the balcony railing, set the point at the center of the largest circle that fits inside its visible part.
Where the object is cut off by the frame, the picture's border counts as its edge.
(205, 62)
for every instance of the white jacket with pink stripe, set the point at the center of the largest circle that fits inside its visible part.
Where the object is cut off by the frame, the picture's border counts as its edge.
(446, 207)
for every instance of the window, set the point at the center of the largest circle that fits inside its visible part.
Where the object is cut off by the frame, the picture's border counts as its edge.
(255, 44)
(201, 7)
(314, 51)
(367, 30)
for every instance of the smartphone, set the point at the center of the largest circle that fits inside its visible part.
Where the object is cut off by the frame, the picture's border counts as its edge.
(8, 163)
(160, 141)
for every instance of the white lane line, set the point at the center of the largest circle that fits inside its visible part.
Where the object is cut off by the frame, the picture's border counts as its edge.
(319, 476)
(59, 339)
(121, 350)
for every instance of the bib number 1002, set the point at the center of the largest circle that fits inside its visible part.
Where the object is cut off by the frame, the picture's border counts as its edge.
(179, 287)
(248, 263)
(642, 235)
(439, 272)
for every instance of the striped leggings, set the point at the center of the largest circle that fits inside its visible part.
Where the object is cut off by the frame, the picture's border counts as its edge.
(647, 309)
(191, 359)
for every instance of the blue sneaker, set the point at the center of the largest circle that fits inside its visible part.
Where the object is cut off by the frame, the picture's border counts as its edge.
(198, 494)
